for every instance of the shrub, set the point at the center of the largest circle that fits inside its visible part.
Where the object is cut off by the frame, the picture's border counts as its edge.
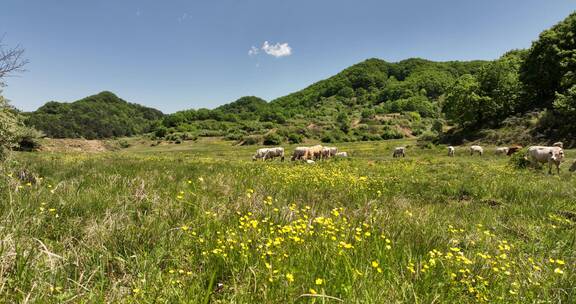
(327, 138)
(160, 132)
(174, 137)
(428, 136)
(234, 136)
(391, 133)
(251, 140)
(518, 160)
(189, 136)
(28, 139)
(272, 139)
(294, 138)
(123, 144)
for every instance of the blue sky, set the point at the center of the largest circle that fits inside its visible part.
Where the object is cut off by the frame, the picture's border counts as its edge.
(177, 54)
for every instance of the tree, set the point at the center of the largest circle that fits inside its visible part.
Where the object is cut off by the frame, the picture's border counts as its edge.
(465, 106)
(343, 122)
(11, 61)
(550, 64)
(500, 81)
(9, 125)
(565, 103)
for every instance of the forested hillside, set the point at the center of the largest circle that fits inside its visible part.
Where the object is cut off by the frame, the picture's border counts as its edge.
(372, 100)
(524, 96)
(102, 115)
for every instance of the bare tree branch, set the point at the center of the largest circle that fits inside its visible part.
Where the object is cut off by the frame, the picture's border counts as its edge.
(11, 60)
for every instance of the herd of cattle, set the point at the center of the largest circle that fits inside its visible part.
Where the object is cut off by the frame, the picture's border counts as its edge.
(552, 155)
(309, 154)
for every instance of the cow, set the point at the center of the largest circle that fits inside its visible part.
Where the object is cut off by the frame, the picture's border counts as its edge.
(269, 153)
(514, 149)
(558, 144)
(341, 154)
(501, 151)
(399, 151)
(328, 152)
(314, 152)
(551, 155)
(476, 149)
(260, 154)
(451, 151)
(299, 153)
(573, 167)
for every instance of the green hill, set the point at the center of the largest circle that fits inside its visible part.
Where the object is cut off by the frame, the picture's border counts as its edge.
(523, 96)
(371, 100)
(102, 115)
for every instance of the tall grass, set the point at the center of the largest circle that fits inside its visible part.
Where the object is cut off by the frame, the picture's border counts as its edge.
(205, 225)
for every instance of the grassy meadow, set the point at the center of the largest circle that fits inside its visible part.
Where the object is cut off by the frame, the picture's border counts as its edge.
(202, 223)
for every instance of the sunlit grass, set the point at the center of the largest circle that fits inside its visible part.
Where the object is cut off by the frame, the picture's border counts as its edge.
(206, 224)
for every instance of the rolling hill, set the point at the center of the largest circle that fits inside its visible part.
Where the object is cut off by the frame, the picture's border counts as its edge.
(103, 115)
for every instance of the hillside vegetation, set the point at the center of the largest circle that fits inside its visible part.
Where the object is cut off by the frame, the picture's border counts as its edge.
(376, 100)
(102, 115)
(372, 100)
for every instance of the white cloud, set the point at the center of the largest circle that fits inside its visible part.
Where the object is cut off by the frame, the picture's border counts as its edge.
(277, 50)
(253, 51)
(183, 17)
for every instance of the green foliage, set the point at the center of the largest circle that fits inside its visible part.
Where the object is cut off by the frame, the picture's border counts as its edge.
(123, 144)
(272, 139)
(160, 132)
(550, 64)
(251, 140)
(518, 160)
(333, 106)
(565, 103)
(343, 122)
(99, 116)
(466, 105)
(391, 133)
(419, 104)
(28, 139)
(295, 138)
(438, 126)
(13, 133)
(9, 128)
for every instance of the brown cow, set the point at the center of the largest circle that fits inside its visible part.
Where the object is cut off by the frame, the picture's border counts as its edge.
(514, 149)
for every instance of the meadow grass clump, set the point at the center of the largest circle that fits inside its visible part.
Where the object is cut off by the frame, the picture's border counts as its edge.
(208, 225)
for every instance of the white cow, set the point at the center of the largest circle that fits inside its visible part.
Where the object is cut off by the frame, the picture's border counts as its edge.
(328, 152)
(300, 153)
(476, 149)
(558, 144)
(341, 154)
(551, 155)
(451, 151)
(399, 151)
(269, 153)
(501, 151)
(314, 152)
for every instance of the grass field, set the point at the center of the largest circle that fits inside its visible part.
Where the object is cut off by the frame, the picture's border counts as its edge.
(201, 223)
